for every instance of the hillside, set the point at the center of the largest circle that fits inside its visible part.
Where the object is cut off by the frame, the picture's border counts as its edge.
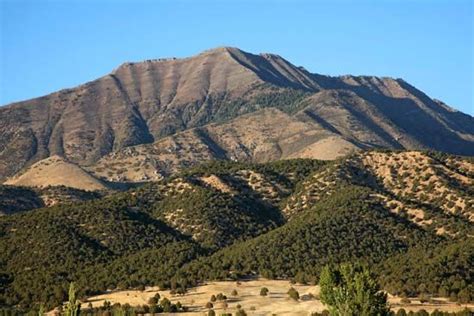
(55, 171)
(261, 140)
(165, 114)
(343, 228)
(16, 199)
(283, 219)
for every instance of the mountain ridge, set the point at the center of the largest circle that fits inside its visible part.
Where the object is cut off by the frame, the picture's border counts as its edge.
(144, 102)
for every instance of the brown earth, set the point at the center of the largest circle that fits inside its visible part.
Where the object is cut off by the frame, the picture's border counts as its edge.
(174, 108)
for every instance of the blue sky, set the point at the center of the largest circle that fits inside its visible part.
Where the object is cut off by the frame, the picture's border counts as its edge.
(50, 45)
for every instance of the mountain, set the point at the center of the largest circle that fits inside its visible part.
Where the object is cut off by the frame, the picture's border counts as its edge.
(149, 119)
(408, 214)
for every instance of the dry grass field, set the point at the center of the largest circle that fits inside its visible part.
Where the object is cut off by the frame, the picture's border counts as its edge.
(54, 171)
(248, 296)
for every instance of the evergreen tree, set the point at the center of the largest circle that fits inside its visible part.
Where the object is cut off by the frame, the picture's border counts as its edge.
(350, 290)
(166, 305)
(72, 306)
(401, 312)
(294, 294)
(154, 300)
(41, 310)
(241, 312)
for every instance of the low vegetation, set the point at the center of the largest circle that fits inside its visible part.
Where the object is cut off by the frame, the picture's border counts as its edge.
(247, 220)
(14, 199)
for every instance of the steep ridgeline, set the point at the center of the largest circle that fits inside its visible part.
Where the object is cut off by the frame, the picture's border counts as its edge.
(283, 219)
(151, 118)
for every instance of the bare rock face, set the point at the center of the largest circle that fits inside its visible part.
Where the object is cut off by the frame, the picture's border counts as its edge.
(211, 106)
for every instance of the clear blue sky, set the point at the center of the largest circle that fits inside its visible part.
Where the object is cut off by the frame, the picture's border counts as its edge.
(49, 45)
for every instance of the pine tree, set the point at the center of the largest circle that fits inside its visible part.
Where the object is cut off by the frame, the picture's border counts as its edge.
(294, 294)
(350, 290)
(72, 306)
(41, 310)
(401, 312)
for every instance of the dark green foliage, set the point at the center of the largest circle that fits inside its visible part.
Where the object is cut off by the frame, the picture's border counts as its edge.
(15, 199)
(441, 270)
(293, 294)
(220, 217)
(347, 224)
(350, 290)
(154, 300)
(127, 240)
(167, 306)
(221, 297)
(263, 291)
(286, 99)
(149, 267)
(72, 306)
(240, 312)
(164, 306)
(401, 312)
(66, 240)
(287, 172)
(122, 241)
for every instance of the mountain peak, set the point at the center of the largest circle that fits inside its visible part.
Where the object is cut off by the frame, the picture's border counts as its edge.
(270, 56)
(144, 102)
(222, 49)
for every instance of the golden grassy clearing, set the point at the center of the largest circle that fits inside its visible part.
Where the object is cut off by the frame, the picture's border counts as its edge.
(277, 302)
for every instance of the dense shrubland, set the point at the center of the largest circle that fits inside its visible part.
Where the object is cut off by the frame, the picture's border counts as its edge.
(159, 235)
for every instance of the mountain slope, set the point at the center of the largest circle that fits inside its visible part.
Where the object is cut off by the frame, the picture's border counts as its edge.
(261, 140)
(230, 219)
(142, 103)
(347, 226)
(16, 199)
(132, 230)
(340, 213)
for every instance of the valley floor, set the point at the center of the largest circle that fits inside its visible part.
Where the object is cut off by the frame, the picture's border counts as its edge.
(277, 302)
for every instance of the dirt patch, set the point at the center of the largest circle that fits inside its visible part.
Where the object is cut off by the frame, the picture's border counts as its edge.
(217, 183)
